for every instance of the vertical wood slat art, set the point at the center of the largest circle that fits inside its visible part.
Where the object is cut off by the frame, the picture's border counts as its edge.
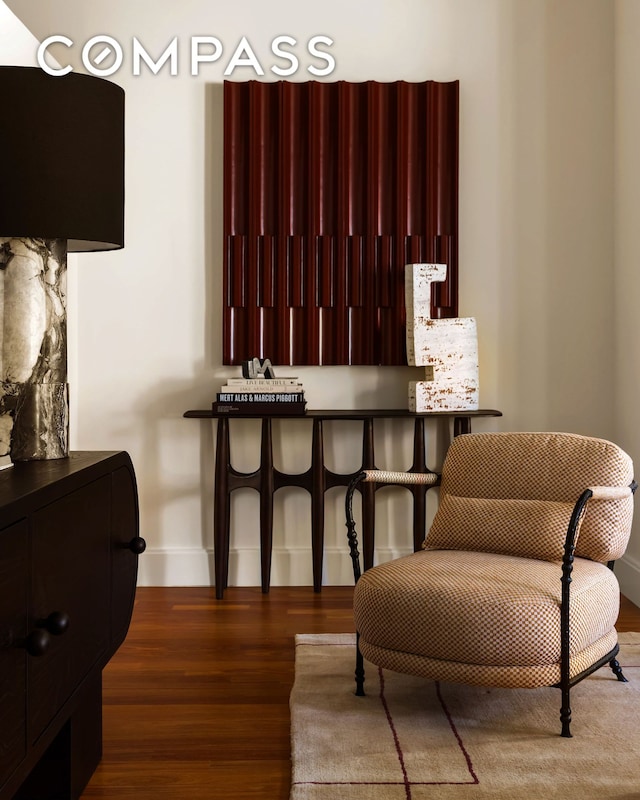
(329, 190)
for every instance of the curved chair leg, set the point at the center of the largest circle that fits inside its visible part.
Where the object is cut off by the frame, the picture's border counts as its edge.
(617, 670)
(359, 673)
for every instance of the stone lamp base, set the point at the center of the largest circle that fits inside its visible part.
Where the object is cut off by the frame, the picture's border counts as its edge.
(34, 406)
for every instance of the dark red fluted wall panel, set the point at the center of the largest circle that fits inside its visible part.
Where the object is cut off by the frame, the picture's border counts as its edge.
(329, 190)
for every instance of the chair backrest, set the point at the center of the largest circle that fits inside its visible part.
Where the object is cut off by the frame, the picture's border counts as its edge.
(549, 469)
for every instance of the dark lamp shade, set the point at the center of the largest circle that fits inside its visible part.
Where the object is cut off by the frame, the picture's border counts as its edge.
(62, 155)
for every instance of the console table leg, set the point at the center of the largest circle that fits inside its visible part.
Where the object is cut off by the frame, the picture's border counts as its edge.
(461, 425)
(266, 503)
(317, 503)
(221, 514)
(368, 496)
(419, 492)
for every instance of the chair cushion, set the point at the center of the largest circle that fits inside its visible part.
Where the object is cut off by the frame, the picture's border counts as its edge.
(481, 608)
(526, 528)
(547, 466)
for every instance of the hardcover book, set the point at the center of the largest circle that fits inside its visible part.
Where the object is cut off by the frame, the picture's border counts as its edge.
(260, 382)
(260, 397)
(268, 387)
(258, 409)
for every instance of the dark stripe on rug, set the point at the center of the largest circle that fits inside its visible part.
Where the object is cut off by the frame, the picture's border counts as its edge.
(455, 733)
(383, 700)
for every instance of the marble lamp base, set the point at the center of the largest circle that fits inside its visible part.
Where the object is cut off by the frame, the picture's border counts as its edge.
(34, 406)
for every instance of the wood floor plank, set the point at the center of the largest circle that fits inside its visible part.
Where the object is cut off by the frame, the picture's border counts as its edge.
(196, 701)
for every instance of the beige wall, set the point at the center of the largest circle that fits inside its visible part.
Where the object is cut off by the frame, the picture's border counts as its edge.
(17, 43)
(627, 287)
(536, 251)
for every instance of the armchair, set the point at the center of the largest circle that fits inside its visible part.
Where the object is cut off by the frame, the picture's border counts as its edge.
(514, 586)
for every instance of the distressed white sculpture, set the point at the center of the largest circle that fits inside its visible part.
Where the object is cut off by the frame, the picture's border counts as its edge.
(446, 348)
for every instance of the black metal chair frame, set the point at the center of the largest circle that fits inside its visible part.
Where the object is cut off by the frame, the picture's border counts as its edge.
(566, 682)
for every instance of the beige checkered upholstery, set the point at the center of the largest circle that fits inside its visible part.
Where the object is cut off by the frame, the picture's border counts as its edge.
(528, 528)
(555, 467)
(481, 604)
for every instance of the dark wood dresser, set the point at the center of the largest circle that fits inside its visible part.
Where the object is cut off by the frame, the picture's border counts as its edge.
(69, 546)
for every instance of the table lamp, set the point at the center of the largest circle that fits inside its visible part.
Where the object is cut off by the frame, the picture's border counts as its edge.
(62, 151)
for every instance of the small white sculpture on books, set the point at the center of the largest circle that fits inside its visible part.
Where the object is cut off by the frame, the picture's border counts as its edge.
(446, 348)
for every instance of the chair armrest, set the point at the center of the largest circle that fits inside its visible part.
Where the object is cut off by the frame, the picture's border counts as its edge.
(382, 476)
(610, 492)
(591, 493)
(377, 476)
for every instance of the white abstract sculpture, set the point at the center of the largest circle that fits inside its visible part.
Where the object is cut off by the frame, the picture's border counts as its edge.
(446, 348)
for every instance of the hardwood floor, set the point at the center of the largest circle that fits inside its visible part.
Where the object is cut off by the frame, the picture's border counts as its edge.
(196, 701)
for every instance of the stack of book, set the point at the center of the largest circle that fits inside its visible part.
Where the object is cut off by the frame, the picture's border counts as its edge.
(258, 396)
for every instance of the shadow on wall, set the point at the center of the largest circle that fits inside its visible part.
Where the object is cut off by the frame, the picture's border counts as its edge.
(175, 507)
(556, 217)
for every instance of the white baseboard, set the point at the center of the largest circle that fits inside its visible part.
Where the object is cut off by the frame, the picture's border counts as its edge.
(289, 567)
(627, 570)
(175, 567)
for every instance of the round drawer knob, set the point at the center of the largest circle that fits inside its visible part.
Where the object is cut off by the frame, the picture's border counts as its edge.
(137, 545)
(37, 642)
(56, 623)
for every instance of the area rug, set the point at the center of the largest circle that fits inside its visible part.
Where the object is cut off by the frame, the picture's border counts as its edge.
(412, 739)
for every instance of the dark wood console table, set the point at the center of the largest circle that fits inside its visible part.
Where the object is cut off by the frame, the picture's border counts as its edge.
(69, 548)
(316, 480)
